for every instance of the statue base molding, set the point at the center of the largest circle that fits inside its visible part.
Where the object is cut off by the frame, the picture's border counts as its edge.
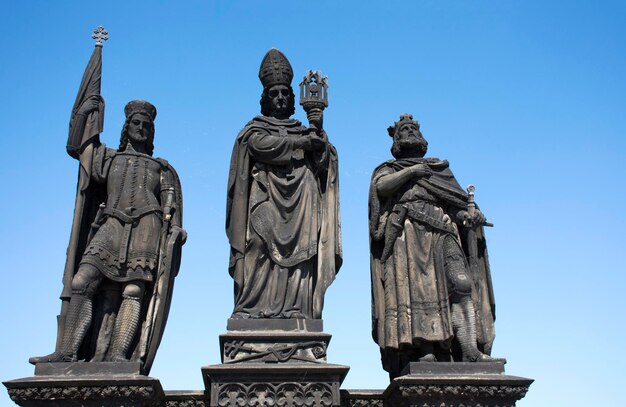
(263, 384)
(274, 341)
(455, 384)
(93, 384)
(278, 362)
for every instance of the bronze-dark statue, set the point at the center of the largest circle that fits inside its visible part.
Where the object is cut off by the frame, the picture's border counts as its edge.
(282, 210)
(431, 287)
(126, 238)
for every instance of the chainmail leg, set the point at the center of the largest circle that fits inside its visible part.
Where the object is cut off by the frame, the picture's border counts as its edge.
(77, 322)
(464, 324)
(125, 328)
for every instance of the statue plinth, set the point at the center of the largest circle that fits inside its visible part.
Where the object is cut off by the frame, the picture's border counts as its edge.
(274, 341)
(279, 360)
(285, 384)
(91, 384)
(455, 383)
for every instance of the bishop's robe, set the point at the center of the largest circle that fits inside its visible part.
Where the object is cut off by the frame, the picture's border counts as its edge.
(282, 222)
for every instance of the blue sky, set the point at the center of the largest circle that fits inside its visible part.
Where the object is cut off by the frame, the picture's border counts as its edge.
(526, 100)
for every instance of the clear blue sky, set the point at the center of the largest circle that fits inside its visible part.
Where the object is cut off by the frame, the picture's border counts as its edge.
(525, 98)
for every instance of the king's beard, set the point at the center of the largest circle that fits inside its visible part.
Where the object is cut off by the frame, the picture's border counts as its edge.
(414, 147)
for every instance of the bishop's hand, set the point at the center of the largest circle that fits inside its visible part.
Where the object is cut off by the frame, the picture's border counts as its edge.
(310, 141)
(316, 117)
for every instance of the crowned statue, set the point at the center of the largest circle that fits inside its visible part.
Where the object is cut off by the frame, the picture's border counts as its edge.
(431, 284)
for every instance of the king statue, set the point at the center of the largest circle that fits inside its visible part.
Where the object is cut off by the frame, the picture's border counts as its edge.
(432, 298)
(282, 217)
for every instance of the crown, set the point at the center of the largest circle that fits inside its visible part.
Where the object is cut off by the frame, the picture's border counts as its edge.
(140, 106)
(275, 69)
(404, 118)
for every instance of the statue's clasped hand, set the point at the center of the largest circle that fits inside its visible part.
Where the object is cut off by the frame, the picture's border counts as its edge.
(315, 116)
(168, 211)
(90, 105)
(311, 141)
(421, 170)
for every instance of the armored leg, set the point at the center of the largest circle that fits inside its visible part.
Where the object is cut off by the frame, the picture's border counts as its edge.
(460, 286)
(78, 318)
(127, 322)
(464, 325)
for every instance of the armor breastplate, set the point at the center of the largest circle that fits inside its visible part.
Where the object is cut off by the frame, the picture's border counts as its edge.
(133, 182)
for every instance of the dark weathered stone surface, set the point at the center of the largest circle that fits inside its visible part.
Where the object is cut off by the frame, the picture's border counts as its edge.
(431, 283)
(464, 368)
(262, 384)
(285, 252)
(274, 347)
(453, 384)
(362, 398)
(274, 341)
(186, 399)
(285, 244)
(260, 325)
(89, 369)
(126, 238)
(86, 390)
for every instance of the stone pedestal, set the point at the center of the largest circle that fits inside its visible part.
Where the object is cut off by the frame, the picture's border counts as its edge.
(279, 362)
(264, 384)
(455, 384)
(274, 341)
(86, 384)
(187, 398)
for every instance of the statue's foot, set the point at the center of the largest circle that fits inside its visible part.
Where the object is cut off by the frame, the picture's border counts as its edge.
(293, 315)
(430, 357)
(116, 358)
(480, 357)
(53, 357)
(240, 315)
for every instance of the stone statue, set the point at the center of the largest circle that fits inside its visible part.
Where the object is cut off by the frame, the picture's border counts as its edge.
(432, 298)
(282, 216)
(126, 238)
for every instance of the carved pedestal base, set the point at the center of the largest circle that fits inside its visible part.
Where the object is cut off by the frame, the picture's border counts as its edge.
(86, 384)
(274, 341)
(186, 399)
(456, 384)
(362, 398)
(274, 362)
(264, 384)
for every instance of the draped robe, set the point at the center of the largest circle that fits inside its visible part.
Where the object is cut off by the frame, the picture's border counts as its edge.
(410, 298)
(282, 222)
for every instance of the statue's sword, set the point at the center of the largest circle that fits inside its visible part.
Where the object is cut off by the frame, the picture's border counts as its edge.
(472, 249)
(472, 244)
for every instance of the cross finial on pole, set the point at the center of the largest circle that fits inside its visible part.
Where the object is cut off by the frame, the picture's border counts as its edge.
(100, 35)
